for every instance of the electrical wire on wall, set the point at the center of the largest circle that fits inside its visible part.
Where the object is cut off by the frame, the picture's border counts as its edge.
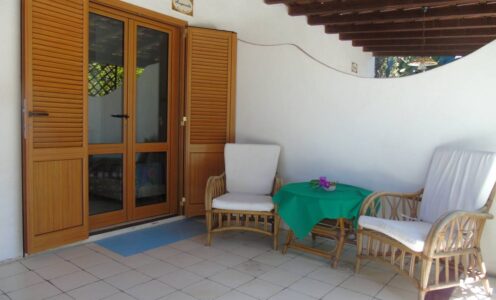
(302, 51)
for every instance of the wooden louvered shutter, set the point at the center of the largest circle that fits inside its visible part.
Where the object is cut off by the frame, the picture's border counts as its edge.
(54, 120)
(211, 79)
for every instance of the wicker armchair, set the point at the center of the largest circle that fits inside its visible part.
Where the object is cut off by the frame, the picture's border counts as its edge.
(242, 200)
(438, 244)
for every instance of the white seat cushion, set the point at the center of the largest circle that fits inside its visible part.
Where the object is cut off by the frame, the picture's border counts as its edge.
(457, 180)
(238, 201)
(410, 234)
(251, 169)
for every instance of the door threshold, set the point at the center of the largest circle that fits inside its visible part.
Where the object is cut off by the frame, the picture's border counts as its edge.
(135, 225)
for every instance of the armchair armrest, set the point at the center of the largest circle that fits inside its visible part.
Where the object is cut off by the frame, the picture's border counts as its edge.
(216, 186)
(393, 206)
(454, 232)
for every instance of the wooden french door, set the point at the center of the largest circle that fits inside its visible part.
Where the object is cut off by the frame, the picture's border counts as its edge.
(133, 85)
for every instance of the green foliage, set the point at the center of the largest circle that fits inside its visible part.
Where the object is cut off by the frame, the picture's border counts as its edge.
(104, 79)
(397, 66)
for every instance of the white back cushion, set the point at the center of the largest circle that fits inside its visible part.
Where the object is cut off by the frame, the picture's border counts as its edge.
(457, 180)
(251, 168)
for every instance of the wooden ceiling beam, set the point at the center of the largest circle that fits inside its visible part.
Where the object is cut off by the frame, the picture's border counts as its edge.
(443, 13)
(422, 42)
(423, 53)
(463, 33)
(420, 48)
(338, 7)
(486, 22)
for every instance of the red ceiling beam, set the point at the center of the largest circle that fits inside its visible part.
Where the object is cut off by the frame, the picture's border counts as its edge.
(338, 7)
(422, 42)
(487, 22)
(444, 13)
(480, 32)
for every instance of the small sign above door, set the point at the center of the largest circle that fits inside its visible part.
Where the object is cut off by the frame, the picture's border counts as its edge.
(183, 6)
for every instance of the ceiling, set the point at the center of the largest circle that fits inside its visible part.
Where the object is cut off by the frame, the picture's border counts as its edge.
(403, 27)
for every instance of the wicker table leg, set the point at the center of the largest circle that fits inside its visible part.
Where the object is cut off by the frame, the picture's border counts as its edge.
(338, 233)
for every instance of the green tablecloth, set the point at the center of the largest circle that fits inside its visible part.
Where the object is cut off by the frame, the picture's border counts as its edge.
(302, 206)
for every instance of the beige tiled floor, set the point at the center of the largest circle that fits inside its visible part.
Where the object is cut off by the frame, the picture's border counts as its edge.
(238, 266)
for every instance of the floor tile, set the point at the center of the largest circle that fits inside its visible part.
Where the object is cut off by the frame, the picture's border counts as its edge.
(56, 270)
(229, 259)
(163, 252)
(183, 260)
(178, 296)
(150, 290)
(107, 269)
(254, 268)
(247, 251)
(329, 275)
(290, 295)
(180, 279)
(185, 245)
(19, 281)
(281, 277)
(4, 297)
(41, 290)
(73, 281)
(94, 291)
(302, 265)
(206, 252)
(127, 279)
(60, 297)
(11, 269)
(379, 275)
(231, 278)
(393, 293)
(42, 260)
(206, 290)
(138, 260)
(260, 289)
(157, 269)
(120, 296)
(225, 244)
(404, 283)
(206, 268)
(273, 258)
(362, 285)
(74, 252)
(90, 260)
(341, 293)
(311, 287)
(235, 295)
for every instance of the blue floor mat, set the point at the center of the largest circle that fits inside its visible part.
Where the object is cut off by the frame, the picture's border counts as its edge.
(145, 239)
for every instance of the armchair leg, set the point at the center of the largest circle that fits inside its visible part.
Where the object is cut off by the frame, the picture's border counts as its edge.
(276, 231)
(482, 269)
(208, 217)
(421, 295)
(359, 253)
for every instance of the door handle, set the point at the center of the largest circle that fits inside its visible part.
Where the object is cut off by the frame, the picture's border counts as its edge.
(119, 116)
(38, 114)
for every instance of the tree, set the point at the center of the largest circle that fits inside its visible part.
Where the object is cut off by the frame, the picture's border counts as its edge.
(398, 66)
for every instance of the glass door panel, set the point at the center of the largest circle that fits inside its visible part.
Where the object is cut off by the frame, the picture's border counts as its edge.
(107, 109)
(151, 85)
(105, 183)
(151, 178)
(106, 80)
(151, 120)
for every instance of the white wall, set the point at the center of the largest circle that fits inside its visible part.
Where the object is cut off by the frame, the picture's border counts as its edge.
(375, 133)
(10, 131)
